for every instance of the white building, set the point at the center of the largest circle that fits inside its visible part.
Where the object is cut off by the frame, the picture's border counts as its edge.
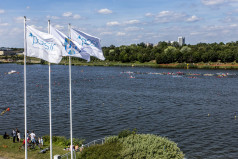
(181, 40)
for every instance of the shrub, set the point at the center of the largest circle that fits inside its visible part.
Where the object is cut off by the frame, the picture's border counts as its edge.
(142, 146)
(125, 133)
(105, 151)
(62, 141)
(134, 146)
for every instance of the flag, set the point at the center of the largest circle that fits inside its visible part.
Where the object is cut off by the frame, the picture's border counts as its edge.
(87, 43)
(42, 45)
(70, 47)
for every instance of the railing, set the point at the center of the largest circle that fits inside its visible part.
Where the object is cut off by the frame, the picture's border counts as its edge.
(94, 142)
(68, 154)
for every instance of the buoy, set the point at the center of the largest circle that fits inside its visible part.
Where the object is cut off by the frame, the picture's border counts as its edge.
(8, 109)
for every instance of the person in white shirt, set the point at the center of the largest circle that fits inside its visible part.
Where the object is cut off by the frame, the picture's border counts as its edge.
(33, 135)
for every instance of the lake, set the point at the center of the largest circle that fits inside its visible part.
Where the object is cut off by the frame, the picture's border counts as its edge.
(195, 108)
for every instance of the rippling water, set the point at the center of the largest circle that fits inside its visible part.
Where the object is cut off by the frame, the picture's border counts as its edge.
(107, 100)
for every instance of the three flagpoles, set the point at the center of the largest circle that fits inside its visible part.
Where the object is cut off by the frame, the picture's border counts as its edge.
(50, 112)
(85, 54)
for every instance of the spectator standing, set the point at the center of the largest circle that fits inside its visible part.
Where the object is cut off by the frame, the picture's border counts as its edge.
(14, 135)
(33, 135)
(41, 141)
(18, 136)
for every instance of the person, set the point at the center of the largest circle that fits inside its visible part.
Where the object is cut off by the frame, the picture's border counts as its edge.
(6, 136)
(81, 148)
(27, 134)
(13, 135)
(18, 136)
(77, 147)
(41, 141)
(33, 135)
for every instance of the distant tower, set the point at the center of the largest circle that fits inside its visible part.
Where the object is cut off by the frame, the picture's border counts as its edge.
(181, 40)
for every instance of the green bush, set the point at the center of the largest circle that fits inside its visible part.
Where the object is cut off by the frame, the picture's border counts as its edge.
(126, 133)
(134, 146)
(105, 151)
(142, 146)
(62, 141)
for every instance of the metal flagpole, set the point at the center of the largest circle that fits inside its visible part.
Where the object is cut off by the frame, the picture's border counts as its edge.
(70, 101)
(25, 52)
(51, 155)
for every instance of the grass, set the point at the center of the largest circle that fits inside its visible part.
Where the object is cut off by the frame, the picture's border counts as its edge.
(11, 150)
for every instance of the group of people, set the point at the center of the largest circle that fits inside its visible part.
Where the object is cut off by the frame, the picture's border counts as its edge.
(31, 138)
(75, 148)
(16, 134)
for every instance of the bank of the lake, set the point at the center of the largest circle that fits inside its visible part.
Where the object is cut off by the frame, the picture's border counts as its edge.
(152, 64)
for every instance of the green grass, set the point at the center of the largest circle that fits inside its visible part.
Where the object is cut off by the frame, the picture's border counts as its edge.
(11, 150)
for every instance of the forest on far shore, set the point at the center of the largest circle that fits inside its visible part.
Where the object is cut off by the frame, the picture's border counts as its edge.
(165, 53)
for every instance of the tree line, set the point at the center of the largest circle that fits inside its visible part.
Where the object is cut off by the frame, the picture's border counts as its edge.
(164, 53)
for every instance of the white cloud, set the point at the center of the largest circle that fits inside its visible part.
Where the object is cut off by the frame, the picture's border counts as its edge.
(169, 16)
(114, 23)
(76, 16)
(165, 14)
(105, 11)
(213, 2)
(194, 33)
(106, 33)
(133, 29)
(60, 27)
(132, 22)
(4, 24)
(28, 7)
(52, 17)
(67, 14)
(216, 2)
(15, 31)
(2, 11)
(19, 19)
(148, 14)
(37, 27)
(233, 25)
(121, 34)
(193, 18)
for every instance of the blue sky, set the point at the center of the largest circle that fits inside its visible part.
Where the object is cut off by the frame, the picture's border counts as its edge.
(124, 22)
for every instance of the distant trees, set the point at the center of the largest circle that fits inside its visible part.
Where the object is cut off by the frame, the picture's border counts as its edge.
(169, 53)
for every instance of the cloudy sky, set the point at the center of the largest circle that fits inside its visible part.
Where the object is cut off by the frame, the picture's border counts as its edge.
(124, 22)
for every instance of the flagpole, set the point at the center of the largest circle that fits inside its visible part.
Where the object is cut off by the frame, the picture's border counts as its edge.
(70, 101)
(51, 155)
(25, 111)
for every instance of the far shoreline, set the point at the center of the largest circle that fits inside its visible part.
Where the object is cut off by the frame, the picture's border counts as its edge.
(152, 64)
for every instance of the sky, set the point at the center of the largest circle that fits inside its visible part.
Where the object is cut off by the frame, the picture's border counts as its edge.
(124, 22)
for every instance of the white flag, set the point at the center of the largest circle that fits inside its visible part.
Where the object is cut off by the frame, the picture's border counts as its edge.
(88, 43)
(42, 45)
(70, 47)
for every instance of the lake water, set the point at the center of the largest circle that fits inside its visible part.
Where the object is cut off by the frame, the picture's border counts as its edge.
(196, 110)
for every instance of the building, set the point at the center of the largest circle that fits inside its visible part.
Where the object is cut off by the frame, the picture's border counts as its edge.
(9, 52)
(181, 40)
(149, 44)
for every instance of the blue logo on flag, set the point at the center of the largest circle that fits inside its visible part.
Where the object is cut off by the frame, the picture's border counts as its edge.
(70, 47)
(36, 41)
(88, 42)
